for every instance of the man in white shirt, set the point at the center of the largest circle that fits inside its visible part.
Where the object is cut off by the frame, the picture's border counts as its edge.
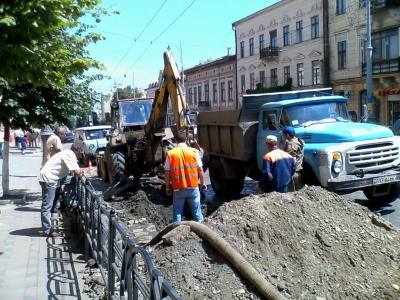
(53, 146)
(49, 177)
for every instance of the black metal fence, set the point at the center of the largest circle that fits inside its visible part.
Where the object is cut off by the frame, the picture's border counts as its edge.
(126, 268)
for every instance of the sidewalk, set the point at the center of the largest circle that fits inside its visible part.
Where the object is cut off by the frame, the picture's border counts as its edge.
(32, 265)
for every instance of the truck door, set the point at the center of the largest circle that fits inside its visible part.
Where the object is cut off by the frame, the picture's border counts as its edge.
(268, 125)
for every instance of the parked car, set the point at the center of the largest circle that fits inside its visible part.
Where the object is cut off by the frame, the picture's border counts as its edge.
(89, 140)
(69, 137)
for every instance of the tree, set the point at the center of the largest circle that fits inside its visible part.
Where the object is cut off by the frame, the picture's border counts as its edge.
(43, 61)
(127, 93)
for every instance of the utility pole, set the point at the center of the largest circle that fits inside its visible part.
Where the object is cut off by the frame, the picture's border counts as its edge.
(370, 104)
(183, 75)
(133, 84)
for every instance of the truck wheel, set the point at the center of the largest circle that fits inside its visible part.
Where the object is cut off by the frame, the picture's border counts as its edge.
(205, 158)
(117, 170)
(99, 171)
(104, 173)
(394, 193)
(308, 176)
(221, 185)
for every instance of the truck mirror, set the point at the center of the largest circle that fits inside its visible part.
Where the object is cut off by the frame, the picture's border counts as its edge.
(272, 121)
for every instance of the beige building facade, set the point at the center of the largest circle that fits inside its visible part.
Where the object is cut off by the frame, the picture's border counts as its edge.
(212, 85)
(284, 40)
(348, 48)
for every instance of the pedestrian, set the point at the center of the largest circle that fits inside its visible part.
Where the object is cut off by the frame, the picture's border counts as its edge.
(278, 168)
(53, 146)
(295, 147)
(33, 136)
(50, 176)
(21, 140)
(1, 141)
(183, 171)
(16, 138)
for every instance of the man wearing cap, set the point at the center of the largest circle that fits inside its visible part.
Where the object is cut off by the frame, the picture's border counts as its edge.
(295, 147)
(278, 168)
(50, 176)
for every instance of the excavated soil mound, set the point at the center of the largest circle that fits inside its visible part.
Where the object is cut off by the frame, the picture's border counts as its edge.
(311, 244)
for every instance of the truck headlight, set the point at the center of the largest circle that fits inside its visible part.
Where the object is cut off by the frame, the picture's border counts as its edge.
(337, 165)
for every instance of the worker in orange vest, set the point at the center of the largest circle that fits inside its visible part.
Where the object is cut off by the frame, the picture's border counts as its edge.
(183, 170)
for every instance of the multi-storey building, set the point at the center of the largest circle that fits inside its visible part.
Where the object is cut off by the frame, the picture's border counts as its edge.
(212, 85)
(347, 25)
(284, 40)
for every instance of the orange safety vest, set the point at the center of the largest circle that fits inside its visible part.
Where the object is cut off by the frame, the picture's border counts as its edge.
(183, 167)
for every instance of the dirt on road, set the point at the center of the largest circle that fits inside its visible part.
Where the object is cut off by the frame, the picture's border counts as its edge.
(311, 244)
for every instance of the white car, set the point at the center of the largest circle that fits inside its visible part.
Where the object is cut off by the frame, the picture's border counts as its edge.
(89, 140)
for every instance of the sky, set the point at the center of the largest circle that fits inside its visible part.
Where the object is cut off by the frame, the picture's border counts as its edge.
(195, 31)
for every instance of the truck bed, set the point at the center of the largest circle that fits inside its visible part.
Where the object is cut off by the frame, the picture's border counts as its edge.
(224, 133)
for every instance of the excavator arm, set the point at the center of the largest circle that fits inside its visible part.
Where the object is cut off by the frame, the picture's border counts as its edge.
(170, 88)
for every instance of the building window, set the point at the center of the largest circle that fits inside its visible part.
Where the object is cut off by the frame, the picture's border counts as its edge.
(342, 55)
(362, 3)
(286, 73)
(300, 74)
(262, 42)
(251, 46)
(243, 83)
(195, 95)
(230, 90)
(215, 95)
(273, 39)
(274, 77)
(262, 78)
(199, 93)
(252, 81)
(314, 27)
(385, 45)
(316, 72)
(286, 36)
(222, 91)
(299, 31)
(206, 93)
(190, 96)
(241, 49)
(340, 7)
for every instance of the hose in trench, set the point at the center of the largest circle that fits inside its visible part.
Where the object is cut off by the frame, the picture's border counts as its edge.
(234, 257)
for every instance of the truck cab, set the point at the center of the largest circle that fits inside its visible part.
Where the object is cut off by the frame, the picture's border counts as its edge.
(340, 155)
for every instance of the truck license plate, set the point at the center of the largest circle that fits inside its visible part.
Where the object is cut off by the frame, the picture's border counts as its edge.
(383, 180)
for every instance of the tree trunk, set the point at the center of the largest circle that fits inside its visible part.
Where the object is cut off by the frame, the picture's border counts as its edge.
(5, 178)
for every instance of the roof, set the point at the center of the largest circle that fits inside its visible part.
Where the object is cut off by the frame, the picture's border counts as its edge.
(94, 127)
(323, 99)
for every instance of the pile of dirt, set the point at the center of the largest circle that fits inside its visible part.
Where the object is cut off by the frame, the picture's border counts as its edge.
(311, 244)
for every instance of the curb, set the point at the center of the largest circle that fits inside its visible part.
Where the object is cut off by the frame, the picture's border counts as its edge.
(19, 201)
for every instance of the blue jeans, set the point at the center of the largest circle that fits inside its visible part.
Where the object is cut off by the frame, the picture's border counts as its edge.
(48, 193)
(192, 196)
(1, 149)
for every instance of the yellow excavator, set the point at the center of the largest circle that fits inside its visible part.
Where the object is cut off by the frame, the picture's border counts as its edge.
(139, 139)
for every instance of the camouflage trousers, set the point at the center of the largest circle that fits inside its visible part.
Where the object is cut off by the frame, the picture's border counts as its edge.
(295, 184)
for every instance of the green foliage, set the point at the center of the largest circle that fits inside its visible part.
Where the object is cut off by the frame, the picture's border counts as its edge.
(127, 93)
(43, 60)
(280, 88)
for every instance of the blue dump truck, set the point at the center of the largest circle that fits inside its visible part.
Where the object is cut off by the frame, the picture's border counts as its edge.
(340, 155)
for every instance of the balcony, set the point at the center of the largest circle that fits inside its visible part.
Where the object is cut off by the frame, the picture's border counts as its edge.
(269, 53)
(377, 5)
(204, 104)
(383, 67)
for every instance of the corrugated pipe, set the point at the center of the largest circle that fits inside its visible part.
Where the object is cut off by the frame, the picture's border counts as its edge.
(234, 257)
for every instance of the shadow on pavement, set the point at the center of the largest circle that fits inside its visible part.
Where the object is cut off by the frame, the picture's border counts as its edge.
(28, 209)
(35, 231)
